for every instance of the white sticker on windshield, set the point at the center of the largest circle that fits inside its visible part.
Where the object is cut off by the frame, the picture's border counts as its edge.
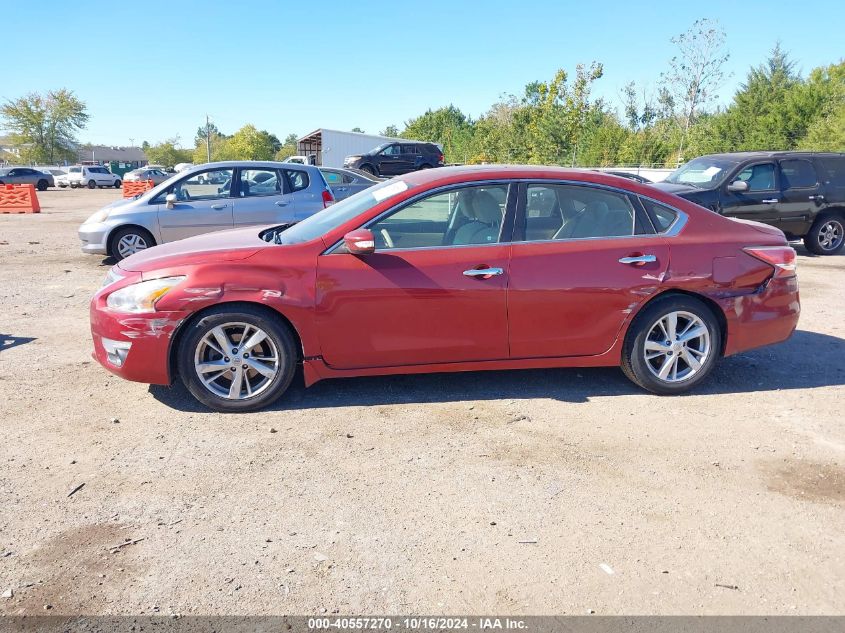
(390, 190)
(711, 171)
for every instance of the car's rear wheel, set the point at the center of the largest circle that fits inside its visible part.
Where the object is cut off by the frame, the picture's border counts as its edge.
(117, 184)
(92, 184)
(826, 236)
(42, 185)
(672, 345)
(237, 358)
(129, 240)
(425, 166)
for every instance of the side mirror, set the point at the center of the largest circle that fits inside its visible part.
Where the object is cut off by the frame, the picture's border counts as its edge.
(170, 200)
(738, 186)
(360, 242)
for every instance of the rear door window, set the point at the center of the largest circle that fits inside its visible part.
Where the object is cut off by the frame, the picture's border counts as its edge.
(298, 180)
(259, 182)
(570, 212)
(798, 174)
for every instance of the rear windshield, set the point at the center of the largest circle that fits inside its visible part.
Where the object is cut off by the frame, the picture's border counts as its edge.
(341, 212)
(75, 170)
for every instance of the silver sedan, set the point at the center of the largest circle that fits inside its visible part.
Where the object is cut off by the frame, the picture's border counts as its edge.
(346, 182)
(146, 173)
(26, 176)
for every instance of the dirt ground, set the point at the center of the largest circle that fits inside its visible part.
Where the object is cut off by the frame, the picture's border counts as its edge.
(533, 492)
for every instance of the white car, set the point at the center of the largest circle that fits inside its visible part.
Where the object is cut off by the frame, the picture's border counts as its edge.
(91, 176)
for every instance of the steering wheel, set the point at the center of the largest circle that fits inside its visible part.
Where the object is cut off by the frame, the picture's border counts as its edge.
(387, 239)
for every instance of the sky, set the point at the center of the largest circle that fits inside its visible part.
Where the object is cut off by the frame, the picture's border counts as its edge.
(153, 70)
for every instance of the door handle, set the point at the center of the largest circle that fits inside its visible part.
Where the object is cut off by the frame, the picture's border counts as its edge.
(818, 197)
(217, 207)
(339, 188)
(638, 260)
(282, 203)
(483, 272)
(770, 201)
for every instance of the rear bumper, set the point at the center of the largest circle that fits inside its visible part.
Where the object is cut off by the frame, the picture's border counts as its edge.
(134, 346)
(765, 317)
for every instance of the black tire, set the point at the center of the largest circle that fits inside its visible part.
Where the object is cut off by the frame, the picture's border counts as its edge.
(826, 236)
(425, 166)
(277, 332)
(117, 184)
(639, 369)
(369, 169)
(42, 185)
(92, 184)
(114, 240)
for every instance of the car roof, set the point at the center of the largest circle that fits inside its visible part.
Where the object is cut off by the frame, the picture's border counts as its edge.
(462, 173)
(740, 156)
(227, 164)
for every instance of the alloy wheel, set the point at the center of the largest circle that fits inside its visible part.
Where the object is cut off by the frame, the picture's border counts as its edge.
(831, 234)
(130, 244)
(677, 346)
(236, 361)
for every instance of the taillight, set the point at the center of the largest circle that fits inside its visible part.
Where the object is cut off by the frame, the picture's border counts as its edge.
(781, 258)
(328, 198)
(440, 160)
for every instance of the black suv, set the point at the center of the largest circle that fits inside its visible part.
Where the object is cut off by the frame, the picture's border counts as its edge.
(393, 159)
(801, 193)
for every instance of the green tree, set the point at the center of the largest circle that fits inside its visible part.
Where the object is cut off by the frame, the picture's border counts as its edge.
(391, 130)
(447, 126)
(287, 149)
(695, 73)
(168, 153)
(357, 129)
(44, 127)
(249, 143)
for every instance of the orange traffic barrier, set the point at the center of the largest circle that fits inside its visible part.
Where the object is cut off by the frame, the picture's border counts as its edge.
(132, 189)
(18, 199)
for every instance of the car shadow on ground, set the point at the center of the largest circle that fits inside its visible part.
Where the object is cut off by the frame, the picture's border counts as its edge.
(806, 360)
(7, 341)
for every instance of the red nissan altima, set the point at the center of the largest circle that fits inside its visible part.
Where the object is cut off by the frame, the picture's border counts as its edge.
(452, 269)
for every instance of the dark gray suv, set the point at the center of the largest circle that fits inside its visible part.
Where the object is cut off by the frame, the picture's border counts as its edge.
(801, 193)
(394, 159)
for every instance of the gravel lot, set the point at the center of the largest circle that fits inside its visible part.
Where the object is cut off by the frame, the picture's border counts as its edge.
(533, 492)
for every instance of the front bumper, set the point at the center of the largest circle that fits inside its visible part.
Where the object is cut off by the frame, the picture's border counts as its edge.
(94, 238)
(134, 346)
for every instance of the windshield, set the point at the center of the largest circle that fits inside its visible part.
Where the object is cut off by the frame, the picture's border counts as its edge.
(341, 212)
(704, 172)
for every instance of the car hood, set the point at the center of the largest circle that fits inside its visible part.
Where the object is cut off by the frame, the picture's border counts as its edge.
(677, 189)
(221, 246)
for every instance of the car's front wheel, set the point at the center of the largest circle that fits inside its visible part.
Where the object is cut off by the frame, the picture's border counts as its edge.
(672, 345)
(117, 184)
(826, 236)
(369, 169)
(237, 359)
(129, 240)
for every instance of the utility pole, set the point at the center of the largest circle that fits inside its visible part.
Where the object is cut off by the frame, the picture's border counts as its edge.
(207, 139)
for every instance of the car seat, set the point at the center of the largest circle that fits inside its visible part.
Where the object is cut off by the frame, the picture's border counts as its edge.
(483, 227)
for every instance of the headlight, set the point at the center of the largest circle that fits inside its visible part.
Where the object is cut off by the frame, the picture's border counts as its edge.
(111, 277)
(99, 216)
(141, 297)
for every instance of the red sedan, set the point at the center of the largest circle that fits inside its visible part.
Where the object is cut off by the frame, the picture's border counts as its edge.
(452, 269)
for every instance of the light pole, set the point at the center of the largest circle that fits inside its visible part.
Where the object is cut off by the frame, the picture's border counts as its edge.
(207, 139)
